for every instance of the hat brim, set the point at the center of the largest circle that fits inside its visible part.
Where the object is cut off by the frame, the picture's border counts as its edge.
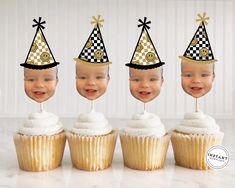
(144, 67)
(39, 67)
(188, 60)
(92, 63)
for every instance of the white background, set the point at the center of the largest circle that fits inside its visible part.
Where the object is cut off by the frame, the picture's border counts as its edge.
(67, 29)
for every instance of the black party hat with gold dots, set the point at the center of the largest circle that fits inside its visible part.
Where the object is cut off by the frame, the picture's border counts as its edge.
(145, 55)
(94, 52)
(199, 49)
(39, 55)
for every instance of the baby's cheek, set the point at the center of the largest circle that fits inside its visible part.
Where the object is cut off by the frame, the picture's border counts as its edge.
(132, 86)
(209, 86)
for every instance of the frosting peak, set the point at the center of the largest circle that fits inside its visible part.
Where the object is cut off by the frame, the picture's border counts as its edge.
(145, 124)
(198, 123)
(41, 123)
(92, 123)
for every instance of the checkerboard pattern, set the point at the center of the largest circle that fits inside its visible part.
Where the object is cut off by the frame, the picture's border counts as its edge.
(199, 42)
(88, 52)
(35, 56)
(146, 47)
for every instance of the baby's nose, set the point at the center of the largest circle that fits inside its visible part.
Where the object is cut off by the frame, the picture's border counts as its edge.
(90, 82)
(196, 79)
(39, 84)
(144, 83)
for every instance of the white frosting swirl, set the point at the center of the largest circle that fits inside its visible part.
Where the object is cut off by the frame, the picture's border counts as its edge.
(198, 123)
(41, 123)
(145, 124)
(92, 123)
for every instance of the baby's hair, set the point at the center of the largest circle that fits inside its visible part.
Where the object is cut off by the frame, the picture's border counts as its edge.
(155, 68)
(77, 69)
(213, 68)
(56, 71)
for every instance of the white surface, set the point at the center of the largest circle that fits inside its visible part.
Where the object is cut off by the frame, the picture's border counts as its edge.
(68, 27)
(116, 176)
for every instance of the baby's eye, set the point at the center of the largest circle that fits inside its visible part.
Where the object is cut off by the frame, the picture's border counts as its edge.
(135, 79)
(153, 79)
(81, 77)
(99, 77)
(48, 79)
(205, 74)
(29, 79)
(187, 75)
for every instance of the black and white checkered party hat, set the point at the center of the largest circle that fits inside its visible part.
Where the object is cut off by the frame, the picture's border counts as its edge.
(199, 49)
(145, 55)
(94, 51)
(39, 55)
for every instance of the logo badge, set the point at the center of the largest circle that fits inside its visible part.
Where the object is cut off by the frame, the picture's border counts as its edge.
(217, 157)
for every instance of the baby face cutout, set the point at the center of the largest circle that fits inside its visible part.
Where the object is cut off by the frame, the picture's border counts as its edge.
(40, 85)
(91, 80)
(197, 79)
(145, 85)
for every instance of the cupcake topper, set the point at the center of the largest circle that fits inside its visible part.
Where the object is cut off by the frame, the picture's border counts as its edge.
(198, 56)
(39, 62)
(144, 65)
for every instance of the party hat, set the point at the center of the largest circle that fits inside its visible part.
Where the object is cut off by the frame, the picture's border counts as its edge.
(145, 55)
(94, 52)
(199, 49)
(39, 55)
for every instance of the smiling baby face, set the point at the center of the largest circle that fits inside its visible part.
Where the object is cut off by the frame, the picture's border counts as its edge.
(197, 79)
(40, 85)
(91, 81)
(145, 85)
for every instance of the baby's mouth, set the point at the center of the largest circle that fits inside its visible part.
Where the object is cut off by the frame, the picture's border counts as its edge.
(196, 89)
(39, 93)
(144, 93)
(91, 91)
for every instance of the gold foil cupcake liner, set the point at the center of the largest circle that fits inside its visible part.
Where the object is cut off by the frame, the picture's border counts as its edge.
(39, 153)
(91, 153)
(190, 149)
(144, 153)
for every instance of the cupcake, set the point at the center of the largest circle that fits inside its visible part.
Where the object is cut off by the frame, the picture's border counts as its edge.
(191, 139)
(40, 142)
(144, 142)
(91, 142)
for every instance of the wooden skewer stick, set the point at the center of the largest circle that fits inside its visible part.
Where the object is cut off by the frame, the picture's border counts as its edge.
(41, 107)
(92, 106)
(144, 108)
(196, 105)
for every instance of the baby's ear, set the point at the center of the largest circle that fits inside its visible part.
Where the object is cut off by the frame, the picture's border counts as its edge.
(213, 76)
(162, 80)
